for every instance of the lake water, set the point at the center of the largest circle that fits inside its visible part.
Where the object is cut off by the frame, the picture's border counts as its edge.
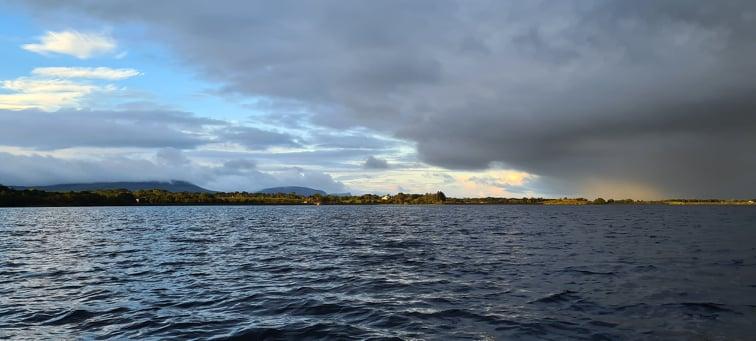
(357, 272)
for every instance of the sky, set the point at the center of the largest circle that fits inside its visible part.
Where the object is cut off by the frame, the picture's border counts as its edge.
(642, 99)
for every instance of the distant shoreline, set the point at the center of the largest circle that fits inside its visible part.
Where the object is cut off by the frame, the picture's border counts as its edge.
(386, 205)
(124, 198)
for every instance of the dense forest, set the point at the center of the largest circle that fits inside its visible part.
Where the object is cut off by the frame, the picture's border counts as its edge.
(121, 197)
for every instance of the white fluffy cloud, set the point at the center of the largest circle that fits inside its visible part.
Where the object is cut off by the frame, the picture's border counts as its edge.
(45, 94)
(85, 72)
(53, 88)
(73, 43)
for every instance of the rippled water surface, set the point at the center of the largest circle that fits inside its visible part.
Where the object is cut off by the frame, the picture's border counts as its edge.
(428, 272)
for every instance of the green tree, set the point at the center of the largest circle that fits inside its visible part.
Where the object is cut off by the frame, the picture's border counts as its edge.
(440, 196)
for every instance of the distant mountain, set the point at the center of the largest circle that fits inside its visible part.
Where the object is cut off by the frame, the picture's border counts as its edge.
(170, 186)
(303, 191)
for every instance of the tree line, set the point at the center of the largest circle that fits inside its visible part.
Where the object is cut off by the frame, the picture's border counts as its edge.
(10, 197)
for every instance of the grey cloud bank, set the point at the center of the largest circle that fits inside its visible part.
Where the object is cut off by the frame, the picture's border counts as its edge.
(256, 138)
(62, 129)
(589, 95)
(170, 135)
(74, 128)
(168, 164)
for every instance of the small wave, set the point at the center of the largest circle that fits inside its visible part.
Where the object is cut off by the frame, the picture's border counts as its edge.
(74, 316)
(564, 296)
(193, 240)
(195, 303)
(312, 307)
(603, 323)
(456, 314)
(588, 272)
(255, 334)
(645, 268)
(703, 306)
(180, 264)
(315, 331)
(144, 324)
(401, 244)
(50, 274)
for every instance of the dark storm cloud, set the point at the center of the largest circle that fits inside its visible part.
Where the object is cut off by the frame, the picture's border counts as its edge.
(655, 93)
(373, 162)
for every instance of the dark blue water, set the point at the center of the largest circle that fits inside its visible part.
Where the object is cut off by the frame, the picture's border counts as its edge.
(358, 272)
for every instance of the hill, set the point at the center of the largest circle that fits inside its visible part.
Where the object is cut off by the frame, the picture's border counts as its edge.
(302, 191)
(170, 186)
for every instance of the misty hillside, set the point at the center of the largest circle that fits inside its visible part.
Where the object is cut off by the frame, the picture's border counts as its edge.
(303, 191)
(170, 186)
